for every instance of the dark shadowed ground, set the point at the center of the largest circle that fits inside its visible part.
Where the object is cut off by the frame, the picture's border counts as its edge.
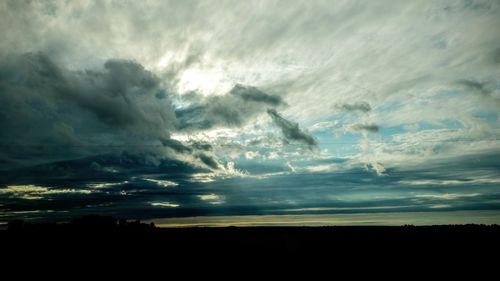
(107, 239)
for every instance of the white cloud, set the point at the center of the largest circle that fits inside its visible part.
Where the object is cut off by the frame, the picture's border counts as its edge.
(164, 204)
(440, 206)
(162, 183)
(451, 181)
(105, 184)
(324, 168)
(211, 196)
(35, 192)
(447, 196)
(251, 154)
(203, 177)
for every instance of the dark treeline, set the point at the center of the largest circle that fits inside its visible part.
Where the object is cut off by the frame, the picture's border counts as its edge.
(85, 223)
(106, 237)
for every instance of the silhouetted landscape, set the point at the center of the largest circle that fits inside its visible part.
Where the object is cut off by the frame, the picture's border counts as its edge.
(111, 237)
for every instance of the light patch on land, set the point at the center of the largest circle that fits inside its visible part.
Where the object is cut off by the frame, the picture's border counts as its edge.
(391, 218)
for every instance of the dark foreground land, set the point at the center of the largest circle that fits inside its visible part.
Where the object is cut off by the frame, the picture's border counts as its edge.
(106, 238)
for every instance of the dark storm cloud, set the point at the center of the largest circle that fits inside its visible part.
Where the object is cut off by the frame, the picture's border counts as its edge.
(113, 96)
(49, 113)
(371, 128)
(127, 76)
(110, 167)
(233, 109)
(291, 130)
(208, 160)
(357, 106)
(176, 145)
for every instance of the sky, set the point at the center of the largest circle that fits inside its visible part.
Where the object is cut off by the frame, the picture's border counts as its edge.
(330, 110)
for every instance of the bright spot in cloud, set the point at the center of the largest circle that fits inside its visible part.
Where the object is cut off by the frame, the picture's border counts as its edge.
(204, 81)
(206, 197)
(212, 198)
(203, 177)
(164, 204)
(34, 192)
(105, 184)
(163, 183)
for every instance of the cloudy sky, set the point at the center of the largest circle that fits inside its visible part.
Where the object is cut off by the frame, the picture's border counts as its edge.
(162, 109)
